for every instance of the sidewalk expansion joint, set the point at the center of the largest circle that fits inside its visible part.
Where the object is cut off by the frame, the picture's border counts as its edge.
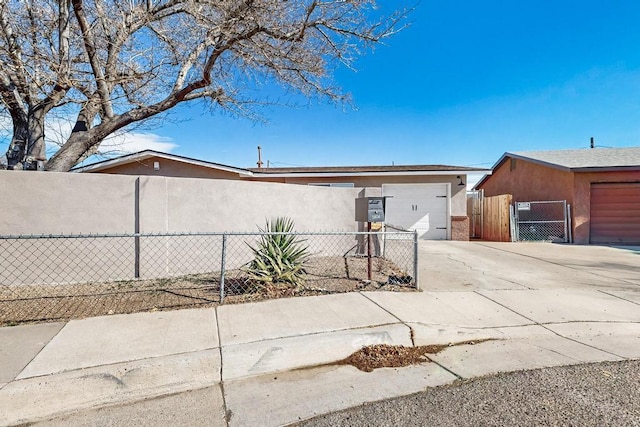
(38, 353)
(542, 325)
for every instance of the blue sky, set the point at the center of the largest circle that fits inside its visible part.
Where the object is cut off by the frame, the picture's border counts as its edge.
(467, 81)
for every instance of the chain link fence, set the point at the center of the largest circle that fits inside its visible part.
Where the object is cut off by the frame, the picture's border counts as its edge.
(51, 278)
(541, 221)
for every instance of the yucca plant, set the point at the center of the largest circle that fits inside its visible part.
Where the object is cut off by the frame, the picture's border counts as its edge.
(279, 257)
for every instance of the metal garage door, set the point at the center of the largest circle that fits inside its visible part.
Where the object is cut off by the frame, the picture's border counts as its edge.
(615, 213)
(421, 207)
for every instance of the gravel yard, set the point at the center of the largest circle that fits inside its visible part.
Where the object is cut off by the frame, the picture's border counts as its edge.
(600, 394)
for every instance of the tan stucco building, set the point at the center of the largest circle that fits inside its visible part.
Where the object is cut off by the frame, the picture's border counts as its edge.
(427, 198)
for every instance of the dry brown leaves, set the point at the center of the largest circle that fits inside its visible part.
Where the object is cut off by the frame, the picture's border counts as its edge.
(395, 356)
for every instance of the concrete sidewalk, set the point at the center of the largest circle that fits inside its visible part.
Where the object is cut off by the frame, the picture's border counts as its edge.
(269, 363)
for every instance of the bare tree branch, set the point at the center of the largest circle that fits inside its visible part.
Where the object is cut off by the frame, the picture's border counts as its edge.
(108, 65)
(88, 38)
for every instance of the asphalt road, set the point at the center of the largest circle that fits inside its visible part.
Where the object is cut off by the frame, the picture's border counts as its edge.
(601, 394)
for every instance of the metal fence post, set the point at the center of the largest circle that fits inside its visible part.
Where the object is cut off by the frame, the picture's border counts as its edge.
(136, 239)
(222, 266)
(566, 235)
(569, 225)
(415, 258)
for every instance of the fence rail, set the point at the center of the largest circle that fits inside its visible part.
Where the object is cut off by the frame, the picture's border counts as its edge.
(59, 277)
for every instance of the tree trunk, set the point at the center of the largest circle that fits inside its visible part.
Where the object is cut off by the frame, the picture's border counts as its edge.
(27, 144)
(75, 148)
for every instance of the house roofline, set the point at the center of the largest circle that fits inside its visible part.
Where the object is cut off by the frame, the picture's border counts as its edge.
(358, 174)
(480, 182)
(585, 169)
(146, 154)
(340, 171)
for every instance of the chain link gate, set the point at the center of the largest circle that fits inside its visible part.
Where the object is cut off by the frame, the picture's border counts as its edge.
(541, 221)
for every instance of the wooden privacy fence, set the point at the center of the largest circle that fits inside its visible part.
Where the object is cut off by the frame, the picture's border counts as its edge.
(495, 218)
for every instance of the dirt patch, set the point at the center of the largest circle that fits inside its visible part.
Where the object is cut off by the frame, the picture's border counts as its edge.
(60, 302)
(395, 356)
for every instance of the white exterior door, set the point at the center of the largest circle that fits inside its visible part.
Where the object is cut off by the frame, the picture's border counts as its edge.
(420, 207)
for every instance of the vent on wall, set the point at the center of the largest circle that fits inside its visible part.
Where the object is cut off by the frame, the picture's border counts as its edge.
(156, 166)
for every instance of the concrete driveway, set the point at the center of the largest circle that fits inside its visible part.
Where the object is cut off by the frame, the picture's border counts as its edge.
(465, 266)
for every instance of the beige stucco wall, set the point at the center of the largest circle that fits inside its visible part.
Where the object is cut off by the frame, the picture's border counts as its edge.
(458, 192)
(66, 203)
(199, 205)
(69, 203)
(170, 168)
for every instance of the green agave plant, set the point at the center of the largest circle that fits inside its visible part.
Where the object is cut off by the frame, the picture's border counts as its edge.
(278, 258)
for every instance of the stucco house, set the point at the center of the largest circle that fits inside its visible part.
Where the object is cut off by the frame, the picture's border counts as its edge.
(601, 184)
(427, 198)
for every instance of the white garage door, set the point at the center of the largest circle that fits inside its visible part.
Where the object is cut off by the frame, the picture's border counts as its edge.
(421, 207)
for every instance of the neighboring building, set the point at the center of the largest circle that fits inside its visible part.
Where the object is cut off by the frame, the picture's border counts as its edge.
(601, 184)
(427, 198)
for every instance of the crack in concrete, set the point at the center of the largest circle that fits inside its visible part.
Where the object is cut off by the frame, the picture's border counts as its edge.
(227, 412)
(484, 273)
(557, 352)
(64, 371)
(393, 315)
(542, 325)
(309, 334)
(480, 328)
(578, 268)
(460, 377)
(106, 376)
(617, 296)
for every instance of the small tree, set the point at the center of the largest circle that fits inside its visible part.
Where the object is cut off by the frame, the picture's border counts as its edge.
(109, 64)
(279, 257)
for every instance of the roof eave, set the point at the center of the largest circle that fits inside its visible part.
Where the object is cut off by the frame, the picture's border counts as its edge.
(508, 155)
(539, 162)
(607, 169)
(482, 181)
(123, 160)
(358, 174)
(142, 155)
